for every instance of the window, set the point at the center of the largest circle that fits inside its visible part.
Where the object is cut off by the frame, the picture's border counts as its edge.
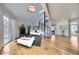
(6, 23)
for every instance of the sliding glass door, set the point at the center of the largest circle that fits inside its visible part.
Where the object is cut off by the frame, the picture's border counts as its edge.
(74, 28)
(7, 29)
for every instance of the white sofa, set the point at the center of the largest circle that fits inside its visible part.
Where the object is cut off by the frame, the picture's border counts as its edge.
(35, 33)
(26, 41)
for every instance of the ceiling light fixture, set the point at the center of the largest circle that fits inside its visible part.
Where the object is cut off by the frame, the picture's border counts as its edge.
(31, 8)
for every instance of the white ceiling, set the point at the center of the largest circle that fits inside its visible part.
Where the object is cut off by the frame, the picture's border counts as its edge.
(20, 10)
(59, 11)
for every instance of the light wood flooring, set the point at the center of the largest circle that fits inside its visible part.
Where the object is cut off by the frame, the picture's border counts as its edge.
(50, 46)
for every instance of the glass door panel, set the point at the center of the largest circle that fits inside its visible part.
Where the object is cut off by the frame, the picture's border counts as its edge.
(6, 23)
(74, 28)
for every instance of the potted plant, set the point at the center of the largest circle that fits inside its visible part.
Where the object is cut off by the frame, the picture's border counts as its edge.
(63, 32)
(28, 29)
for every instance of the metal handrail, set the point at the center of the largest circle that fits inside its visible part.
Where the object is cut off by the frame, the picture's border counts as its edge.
(47, 28)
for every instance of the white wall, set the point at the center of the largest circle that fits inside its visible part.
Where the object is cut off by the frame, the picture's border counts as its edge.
(1, 28)
(19, 22)
(13, 29)
(58, 31)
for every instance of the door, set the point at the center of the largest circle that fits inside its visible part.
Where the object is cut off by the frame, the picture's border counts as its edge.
(74, 34)
(74, 28)
(7, 29)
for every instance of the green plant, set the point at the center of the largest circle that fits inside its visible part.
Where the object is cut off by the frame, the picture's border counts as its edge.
(28, 29)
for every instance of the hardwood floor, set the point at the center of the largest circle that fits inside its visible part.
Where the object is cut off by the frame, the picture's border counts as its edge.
(50, 46)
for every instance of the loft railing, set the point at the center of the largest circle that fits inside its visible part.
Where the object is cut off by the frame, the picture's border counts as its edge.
(45, 28)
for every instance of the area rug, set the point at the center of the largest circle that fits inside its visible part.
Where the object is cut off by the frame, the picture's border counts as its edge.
(37, 41)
